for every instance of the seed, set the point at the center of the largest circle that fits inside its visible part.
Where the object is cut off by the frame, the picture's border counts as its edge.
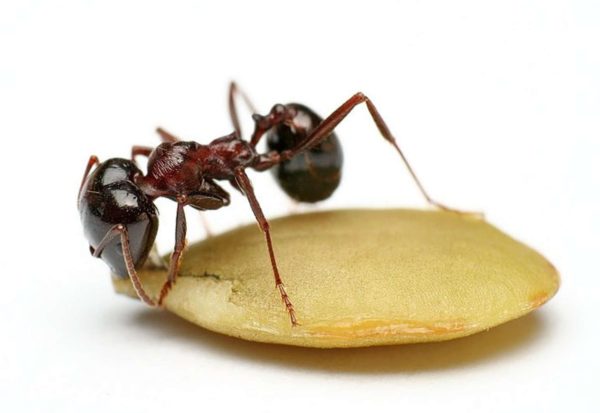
(359, 278)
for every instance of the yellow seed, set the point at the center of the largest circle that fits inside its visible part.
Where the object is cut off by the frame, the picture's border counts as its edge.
(359, 278)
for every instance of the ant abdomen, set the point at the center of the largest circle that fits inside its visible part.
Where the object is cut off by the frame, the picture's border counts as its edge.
(109, 202)
(312, 175)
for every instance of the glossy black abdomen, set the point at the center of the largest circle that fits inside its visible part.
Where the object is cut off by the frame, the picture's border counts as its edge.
(313, 175)
(110, 197)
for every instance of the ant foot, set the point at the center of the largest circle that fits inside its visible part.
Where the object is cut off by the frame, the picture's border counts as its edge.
(288, 305)
(164, 292)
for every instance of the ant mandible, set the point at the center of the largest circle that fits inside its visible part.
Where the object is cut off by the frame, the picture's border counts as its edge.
(116, 200)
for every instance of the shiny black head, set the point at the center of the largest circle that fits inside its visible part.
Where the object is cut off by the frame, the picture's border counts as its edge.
(312, 175)
(108, 198)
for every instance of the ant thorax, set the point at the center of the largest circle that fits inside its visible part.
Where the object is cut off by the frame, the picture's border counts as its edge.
(180, 168)
(174, 168)
(225, 155)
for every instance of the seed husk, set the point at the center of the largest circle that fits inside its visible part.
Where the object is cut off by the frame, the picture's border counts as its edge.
(358, 278)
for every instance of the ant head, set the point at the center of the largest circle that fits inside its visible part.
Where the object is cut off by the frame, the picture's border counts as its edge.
(110, 197)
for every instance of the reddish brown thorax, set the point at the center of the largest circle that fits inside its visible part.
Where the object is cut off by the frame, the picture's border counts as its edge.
(227, 154)
(180, 168)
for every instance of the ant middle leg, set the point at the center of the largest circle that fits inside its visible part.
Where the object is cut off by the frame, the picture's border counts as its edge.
(180, 241)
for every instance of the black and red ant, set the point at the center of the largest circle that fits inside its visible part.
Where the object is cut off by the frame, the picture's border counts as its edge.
(116, 200)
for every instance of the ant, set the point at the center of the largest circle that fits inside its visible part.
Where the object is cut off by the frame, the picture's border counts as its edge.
(116, 199)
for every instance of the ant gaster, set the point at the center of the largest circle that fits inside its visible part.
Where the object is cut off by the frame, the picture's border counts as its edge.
(116, 199)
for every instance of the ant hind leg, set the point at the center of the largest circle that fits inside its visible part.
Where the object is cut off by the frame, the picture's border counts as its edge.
(246, 186)
(324, 129)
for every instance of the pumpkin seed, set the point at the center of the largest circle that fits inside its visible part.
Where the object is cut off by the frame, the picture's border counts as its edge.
(358, 278)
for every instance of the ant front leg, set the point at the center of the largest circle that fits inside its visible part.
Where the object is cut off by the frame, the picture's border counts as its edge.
(243, 182)
(180, 231)
(121, 230)
(234, 90)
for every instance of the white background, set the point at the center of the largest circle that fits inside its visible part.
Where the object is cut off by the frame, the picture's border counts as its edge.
(496, 104)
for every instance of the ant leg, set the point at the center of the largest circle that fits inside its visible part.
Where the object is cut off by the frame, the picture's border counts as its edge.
(234, 90)
(91, 163)
(166, 136)
(140, 151)
(180, 230)
(246, 186)
(137, 150)
(277, 115)
(328, 124)
(133, 276)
